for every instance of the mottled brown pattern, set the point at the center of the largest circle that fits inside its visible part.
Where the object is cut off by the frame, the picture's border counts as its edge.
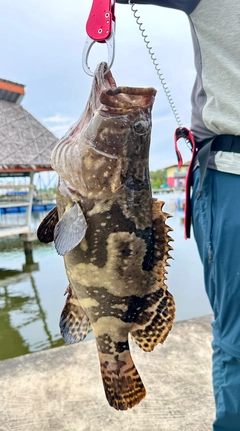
(117, 271)
(107, 346)
(122, 384)
(161, 310)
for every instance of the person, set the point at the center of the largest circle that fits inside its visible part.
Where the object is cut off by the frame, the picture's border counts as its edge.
(215, 124)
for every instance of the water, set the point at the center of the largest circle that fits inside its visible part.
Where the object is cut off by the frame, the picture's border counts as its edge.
(31, 298)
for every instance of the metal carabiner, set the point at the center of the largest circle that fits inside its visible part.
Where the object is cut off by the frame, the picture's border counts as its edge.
(87, 48)
(100, 28)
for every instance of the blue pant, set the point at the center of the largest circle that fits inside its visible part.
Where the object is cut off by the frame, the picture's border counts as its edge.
(216, 224)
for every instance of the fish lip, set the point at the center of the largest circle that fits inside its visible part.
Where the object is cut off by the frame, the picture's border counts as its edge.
(121, 100)
(103, 81)
(122, 97)
(104, 76)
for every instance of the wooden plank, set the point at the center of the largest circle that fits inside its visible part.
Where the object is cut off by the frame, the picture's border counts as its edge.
(11, 204)
(13, 230)
(17, 187)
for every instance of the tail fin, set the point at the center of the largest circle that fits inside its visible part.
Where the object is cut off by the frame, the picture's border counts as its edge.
(122, 383)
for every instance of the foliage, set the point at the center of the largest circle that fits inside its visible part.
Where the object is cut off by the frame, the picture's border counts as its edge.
(46, 193)
(158, 178)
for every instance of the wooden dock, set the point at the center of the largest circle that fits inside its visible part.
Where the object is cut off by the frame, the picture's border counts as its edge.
(13, 230)
(17, 207)
(168, 190)
(21, 206)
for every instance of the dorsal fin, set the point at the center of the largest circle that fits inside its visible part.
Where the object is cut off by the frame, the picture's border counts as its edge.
(157, 318)
(45, 232)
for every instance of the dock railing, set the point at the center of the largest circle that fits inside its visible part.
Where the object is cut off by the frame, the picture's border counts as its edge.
(19, 197)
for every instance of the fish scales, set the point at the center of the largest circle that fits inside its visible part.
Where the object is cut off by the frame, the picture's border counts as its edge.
(112, 233)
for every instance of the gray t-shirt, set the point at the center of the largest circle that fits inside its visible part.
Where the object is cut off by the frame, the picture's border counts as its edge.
(215, 26)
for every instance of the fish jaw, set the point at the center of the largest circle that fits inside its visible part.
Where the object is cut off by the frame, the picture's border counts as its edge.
(110, 150)
(124, 99)
(67, 154)
(115, 127)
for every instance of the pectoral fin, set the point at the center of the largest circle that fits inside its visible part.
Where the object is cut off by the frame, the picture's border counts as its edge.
(74, 323)
(45, 230)
(70, 230)
(157, 316)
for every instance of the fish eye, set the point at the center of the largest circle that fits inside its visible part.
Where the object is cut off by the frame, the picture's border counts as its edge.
(140, 127)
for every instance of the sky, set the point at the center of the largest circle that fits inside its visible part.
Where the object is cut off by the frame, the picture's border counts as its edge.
(41, 47)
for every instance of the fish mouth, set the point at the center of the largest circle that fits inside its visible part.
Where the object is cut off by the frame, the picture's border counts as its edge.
(107, 98)
(124, 99)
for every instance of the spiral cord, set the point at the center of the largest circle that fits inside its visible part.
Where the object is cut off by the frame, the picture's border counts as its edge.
(155, 63)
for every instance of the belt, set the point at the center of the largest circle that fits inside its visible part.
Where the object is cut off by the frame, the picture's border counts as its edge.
(228, 143)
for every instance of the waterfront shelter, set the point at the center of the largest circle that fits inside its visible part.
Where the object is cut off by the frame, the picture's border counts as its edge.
(176, 177)
(25, 148)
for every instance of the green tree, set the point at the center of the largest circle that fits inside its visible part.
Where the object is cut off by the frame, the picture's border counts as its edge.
(158, 178)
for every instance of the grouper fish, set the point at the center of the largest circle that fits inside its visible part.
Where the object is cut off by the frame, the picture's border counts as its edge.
(112, 234)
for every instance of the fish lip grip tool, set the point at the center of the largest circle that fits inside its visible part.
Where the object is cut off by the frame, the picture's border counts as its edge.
(100, 27)
(183, 132)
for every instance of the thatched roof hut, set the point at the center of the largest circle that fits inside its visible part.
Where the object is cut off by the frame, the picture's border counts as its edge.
(25, 147)
(25, 144)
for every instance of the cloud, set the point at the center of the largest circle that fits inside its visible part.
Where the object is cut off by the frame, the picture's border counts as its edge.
(44, 51)
(58, 124)
(58, 118)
